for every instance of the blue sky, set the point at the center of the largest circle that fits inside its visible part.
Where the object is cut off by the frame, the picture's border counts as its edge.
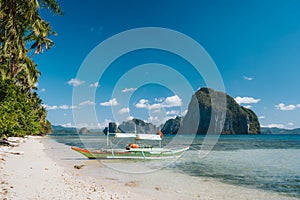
(254, 44)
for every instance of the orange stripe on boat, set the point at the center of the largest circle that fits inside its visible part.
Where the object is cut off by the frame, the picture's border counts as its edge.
(81, 150)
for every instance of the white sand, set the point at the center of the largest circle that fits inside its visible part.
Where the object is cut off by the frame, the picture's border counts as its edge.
(35, 176)
(46, 171)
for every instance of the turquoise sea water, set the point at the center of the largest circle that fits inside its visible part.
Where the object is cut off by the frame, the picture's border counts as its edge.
(268, 162)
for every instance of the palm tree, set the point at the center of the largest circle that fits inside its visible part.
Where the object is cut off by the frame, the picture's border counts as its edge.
(24, 32)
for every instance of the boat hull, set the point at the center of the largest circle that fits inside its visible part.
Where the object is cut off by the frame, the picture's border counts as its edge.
(155, 153)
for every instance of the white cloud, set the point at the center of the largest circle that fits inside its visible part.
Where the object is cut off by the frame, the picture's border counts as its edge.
(261, 117)
(129, 118)
(172, 112)
(274, 126)
(55, 107)
(64, 107)
(112, 102)
(155, 106)
(248, 78)
(94, 85)
(159, 99)
(284, 107)
(97, 29)
(246, 100)
(290, 124)
(143, 103)
(129, 89)
(156, 110)
(172, 101)
(154, 120)
(169, 102)
(247, 106)
(43, 90)
(124, 110)
(75, 82)
(68, 125)
(104, 124)
(87, 103)
(47, 107)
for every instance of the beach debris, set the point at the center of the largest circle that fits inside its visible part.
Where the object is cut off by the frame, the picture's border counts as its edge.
(12, 141)
(93, 189)
(4, 191)
(157, 188)
(4, 142)
(78, 166)
(132, 183)
(8, 150)
(15, 141)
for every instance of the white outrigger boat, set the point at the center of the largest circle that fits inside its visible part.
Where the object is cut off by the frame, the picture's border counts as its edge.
(134, 150)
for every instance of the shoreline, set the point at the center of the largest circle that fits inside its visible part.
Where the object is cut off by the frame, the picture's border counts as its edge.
(46, 171)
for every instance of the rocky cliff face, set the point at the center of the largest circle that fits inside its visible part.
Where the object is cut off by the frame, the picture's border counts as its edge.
(139, 125)
(214, 112)
(253, 123)
(209, 112)
(172, 125)
(112, 128)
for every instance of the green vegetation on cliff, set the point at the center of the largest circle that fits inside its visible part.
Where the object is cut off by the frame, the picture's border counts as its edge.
(238, 120)
(225, 116)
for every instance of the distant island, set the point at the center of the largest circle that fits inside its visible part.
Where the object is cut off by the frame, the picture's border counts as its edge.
(236, 119)
(229, 117)
(265, 130)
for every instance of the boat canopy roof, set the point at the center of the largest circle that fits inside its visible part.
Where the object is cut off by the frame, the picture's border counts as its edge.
(138, 136)
(125, 135)
(148, 137)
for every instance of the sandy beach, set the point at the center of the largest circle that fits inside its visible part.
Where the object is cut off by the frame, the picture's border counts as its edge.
(46, 171)
(36, 176)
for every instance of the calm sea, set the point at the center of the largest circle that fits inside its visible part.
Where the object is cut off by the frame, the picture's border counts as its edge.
(268, 162)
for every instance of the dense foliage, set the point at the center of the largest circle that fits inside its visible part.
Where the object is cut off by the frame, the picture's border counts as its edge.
(20, 114)
(23, 34)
